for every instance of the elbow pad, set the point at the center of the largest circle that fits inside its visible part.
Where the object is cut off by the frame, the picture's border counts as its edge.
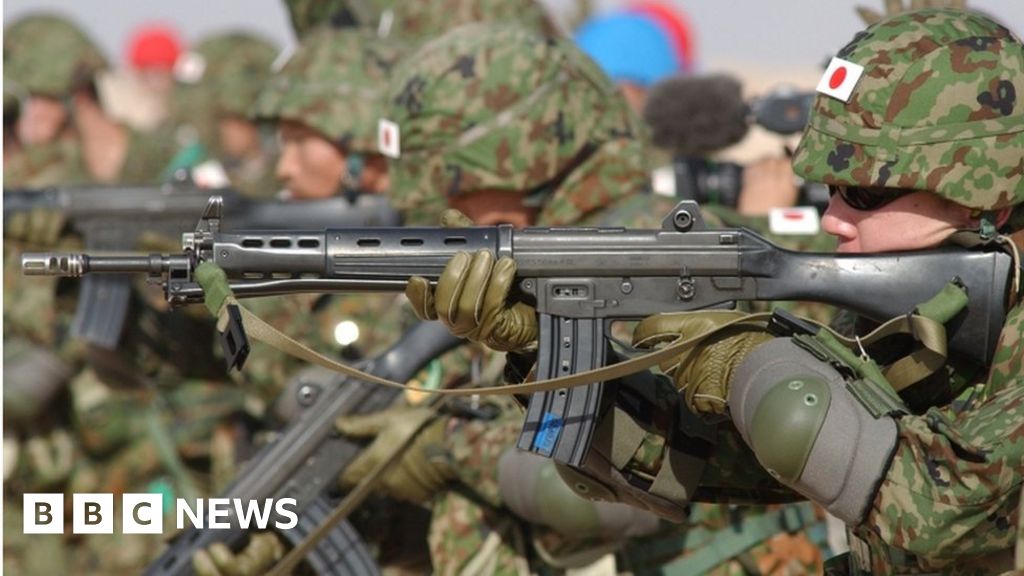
(533, 489)
(808, 430)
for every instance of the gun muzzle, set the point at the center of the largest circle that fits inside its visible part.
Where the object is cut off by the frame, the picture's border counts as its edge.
(52, 264)
(77, 265)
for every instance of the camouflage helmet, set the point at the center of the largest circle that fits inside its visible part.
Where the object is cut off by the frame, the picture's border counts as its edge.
(432, 18)
(334, 83)
(47, 55)
(307, 15)
(419, 20)
(497, 108)
(935, 109)
(235, 66)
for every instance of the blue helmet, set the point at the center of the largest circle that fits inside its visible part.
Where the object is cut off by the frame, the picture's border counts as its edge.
(629, 47)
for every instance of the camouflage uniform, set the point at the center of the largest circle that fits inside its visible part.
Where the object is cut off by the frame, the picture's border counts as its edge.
(499, 108)
(949, 498)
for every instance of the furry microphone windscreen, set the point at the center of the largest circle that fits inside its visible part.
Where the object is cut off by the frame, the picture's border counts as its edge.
(697, 115)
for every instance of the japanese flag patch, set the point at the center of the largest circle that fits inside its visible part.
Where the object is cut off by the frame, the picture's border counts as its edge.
(389, 141)
(210, 174)
(797, 220)
(189, 68)
(840, 79)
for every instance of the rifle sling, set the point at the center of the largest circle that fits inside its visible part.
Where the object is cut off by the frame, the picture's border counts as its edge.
(930, 333)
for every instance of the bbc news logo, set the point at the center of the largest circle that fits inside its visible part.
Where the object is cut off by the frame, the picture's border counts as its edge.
(144, 513)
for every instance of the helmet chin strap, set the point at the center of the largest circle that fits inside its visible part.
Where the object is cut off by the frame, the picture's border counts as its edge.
(350, 186)
(987, 225)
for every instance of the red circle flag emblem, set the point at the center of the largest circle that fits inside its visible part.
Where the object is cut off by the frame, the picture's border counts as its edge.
(840, 79)
(837, 78)
(388, 138)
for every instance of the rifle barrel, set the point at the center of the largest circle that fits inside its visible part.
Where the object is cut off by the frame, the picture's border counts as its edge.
(76, 265)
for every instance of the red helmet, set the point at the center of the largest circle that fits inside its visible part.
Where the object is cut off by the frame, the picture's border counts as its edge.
(154, 46)
(675, 25)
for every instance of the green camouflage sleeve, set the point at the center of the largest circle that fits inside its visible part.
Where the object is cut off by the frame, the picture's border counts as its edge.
(953, 489)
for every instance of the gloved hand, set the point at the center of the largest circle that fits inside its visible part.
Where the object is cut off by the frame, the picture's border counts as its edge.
(471, 299)
(39, 226)
(260, 554)
(893, 7)
(424, 467)
(704, 371)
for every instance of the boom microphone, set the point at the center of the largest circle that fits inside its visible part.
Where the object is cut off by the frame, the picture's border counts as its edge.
(696, 116)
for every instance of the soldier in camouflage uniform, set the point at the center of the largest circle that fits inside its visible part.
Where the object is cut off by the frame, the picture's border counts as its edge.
(324, 103)
(66, 135)
(926, 514)
(47, 60)
(583, 164)
(928, 144)
(232, 68)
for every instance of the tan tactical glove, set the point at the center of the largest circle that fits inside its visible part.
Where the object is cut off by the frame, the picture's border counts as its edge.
(704, 371)
(424, 467)
(471, 299)
(263, 551)
(39, 226)
(893, 7)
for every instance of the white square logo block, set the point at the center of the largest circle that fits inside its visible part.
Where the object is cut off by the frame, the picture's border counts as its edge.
(42, 513)
(92, 514)
(142, 514)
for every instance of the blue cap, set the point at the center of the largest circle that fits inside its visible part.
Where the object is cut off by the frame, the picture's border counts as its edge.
(629, 47)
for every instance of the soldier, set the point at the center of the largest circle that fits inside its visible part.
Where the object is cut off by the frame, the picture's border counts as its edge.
(911, 163)
(49, 66)
(323, 102)
(67, 136)
(227, 73)
(53, 64)
(583, 164)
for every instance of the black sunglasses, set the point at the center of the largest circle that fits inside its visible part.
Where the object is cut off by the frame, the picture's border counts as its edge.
(867, 199)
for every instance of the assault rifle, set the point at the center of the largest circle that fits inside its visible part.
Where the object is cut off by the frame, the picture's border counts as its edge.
(116, 218)
(581, 280)
(305, 460)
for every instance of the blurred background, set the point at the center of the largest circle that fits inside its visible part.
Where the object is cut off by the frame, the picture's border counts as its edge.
(763, 44)
(752, 34)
